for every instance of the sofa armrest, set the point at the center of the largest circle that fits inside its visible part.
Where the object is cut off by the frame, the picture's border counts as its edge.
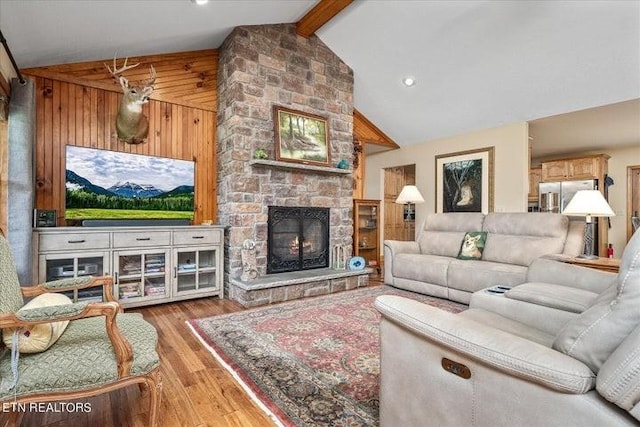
(548, 270)
(393, 248)
(505, 352)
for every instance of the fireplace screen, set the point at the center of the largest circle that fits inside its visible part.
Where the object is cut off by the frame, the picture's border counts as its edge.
(298, 238)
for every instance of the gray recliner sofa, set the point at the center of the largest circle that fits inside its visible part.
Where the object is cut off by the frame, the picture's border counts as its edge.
(429, 265)
(483, 368)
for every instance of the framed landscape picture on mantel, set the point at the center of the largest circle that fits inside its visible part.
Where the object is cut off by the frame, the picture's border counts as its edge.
(301, 137)
(465, 181)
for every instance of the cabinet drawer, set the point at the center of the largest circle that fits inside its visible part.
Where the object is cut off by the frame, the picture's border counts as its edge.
(141, 239)
(197, 237)
(73, 241)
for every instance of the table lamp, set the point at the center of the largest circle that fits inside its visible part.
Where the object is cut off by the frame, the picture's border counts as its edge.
(588, 203)
(409, 196)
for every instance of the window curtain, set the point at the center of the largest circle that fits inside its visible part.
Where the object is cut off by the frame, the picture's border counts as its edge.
(20, 185)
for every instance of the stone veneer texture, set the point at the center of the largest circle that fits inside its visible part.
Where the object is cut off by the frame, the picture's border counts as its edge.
(259, 67)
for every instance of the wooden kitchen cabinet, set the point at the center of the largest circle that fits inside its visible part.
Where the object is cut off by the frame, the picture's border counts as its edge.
(535, 176)
(577, 168)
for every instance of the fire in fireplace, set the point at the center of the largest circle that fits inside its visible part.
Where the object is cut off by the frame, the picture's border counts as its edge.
(297, 239)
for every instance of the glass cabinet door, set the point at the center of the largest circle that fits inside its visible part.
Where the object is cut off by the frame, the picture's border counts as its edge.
(366, 237)
(195, 270)
(141, 275)
(56, 267)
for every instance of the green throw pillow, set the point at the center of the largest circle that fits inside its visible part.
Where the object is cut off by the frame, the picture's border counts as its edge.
(472, 245)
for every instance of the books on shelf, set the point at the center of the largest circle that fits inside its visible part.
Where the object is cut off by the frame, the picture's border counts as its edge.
(187, 267)
(152, 291)
(129, 290)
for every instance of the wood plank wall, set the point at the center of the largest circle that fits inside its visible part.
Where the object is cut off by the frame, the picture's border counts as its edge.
(74, 107)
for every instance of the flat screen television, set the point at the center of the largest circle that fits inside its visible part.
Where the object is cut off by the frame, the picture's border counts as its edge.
(109, 185)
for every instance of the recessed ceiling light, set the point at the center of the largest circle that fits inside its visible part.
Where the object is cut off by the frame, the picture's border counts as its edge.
(200, 2)
(409, 81)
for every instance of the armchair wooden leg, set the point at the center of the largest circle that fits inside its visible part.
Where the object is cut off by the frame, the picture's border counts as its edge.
(154, 385)
(13, 419)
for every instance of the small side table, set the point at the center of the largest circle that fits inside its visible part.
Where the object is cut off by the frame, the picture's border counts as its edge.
(612, 265)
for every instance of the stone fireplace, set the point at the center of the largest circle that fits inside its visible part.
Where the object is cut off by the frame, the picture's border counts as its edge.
(297, 239)
(261, 67)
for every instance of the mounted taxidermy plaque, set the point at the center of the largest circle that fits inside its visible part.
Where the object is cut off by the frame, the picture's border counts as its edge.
(131, 125)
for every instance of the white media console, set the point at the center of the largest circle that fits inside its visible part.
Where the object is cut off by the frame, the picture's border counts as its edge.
(149, 264)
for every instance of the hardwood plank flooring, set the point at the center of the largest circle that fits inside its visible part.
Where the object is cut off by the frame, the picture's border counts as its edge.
(196, 390)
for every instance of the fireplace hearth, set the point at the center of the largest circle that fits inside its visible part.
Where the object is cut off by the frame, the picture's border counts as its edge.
(298, 238)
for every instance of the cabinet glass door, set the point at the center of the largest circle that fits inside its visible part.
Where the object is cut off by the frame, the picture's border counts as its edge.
(56, 267)
(368, 232)
(195, 270)
(141, 275)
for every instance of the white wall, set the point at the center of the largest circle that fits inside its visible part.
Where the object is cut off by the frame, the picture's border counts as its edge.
(620, 159)
(511, 166)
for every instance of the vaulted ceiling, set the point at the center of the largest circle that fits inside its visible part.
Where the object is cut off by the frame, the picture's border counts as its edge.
(478, 64)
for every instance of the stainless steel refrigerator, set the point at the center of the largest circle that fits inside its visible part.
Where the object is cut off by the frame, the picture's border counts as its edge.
(555, 196)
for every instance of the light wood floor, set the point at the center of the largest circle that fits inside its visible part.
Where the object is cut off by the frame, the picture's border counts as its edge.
(197, 391)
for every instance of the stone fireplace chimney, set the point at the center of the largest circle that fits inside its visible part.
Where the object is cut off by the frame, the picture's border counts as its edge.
(259, 67)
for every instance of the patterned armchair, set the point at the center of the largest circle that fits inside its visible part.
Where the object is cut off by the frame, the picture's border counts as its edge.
(101, 349)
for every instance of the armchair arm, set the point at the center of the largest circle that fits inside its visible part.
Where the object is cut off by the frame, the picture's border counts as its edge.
(121, 347)
(72, 283)
(508, 353)
(53, 313)
(393, 248)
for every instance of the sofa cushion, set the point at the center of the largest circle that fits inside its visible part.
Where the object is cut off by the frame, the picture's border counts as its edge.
(593, 335)
(472, 245)
(471, 275)
(520, 238)
(422, 268)
(442, 233)
(508, 325)
(551, 295)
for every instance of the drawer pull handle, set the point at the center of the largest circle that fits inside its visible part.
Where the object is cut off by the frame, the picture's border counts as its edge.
(143, 238)
(197, 237)
(76, 241)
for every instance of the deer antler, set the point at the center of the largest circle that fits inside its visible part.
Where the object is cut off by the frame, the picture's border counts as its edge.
(117, 72)
(152, 77)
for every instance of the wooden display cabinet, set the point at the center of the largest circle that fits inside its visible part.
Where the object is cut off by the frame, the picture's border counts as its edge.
(366, 236)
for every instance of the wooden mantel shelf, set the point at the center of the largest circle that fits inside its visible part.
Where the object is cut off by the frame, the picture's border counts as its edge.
(298, 166)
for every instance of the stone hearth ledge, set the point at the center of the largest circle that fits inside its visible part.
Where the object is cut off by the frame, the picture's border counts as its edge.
(281, 287)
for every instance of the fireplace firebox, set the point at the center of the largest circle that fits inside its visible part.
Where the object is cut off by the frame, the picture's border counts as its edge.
(297, 238)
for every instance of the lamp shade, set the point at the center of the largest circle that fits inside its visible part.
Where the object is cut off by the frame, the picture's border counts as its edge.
(588, 203)
(410, 194)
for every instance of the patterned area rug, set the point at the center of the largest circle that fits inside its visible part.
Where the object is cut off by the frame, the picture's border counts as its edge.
(309, 362)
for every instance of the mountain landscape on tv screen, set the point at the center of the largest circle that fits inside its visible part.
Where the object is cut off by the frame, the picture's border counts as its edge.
(125, 198)
(105, 184)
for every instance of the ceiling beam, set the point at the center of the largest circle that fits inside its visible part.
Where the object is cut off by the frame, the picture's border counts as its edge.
(365, 131)
(321, 13)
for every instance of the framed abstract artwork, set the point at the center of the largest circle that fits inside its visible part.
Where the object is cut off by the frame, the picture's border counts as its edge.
(301, 137)
(465, 181)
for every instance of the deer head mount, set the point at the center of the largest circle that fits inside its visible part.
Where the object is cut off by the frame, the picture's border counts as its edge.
(131, 125)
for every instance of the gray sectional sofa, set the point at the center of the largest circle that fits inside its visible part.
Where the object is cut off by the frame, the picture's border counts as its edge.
(429, 265)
